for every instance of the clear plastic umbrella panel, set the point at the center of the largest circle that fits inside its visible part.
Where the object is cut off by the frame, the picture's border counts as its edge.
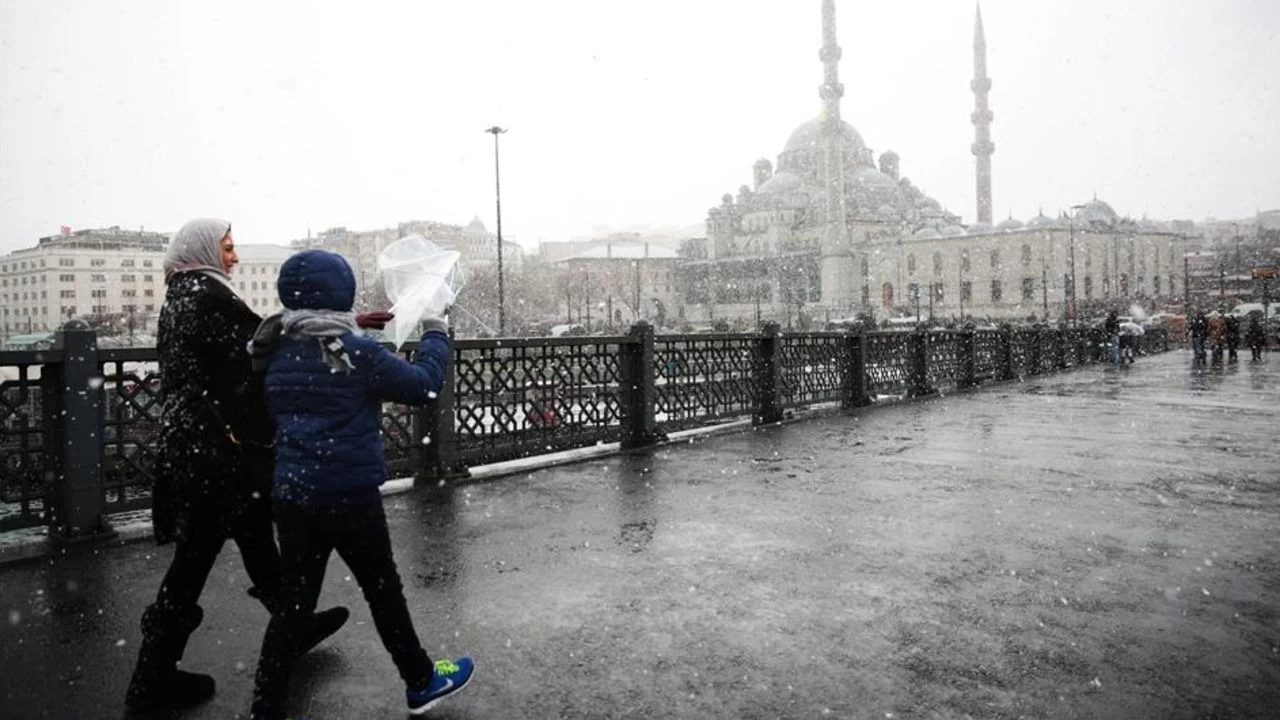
(421, 279)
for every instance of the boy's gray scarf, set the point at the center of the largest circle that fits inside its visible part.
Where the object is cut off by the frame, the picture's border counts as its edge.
(325, 326)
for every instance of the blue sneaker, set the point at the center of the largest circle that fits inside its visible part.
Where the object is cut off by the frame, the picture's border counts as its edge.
(450, 677)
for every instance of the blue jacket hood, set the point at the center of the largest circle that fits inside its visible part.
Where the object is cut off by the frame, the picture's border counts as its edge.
(316, 280)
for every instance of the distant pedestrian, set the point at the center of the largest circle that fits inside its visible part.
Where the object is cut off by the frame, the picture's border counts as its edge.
(1199, 330)
(1255, 337)
(1111, 328)
(1129, 334)
(213, 470)
(325, 387)
(1232, 332)
(1217, 338)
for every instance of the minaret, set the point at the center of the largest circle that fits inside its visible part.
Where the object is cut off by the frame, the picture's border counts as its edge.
(836, 262)
(982, 145)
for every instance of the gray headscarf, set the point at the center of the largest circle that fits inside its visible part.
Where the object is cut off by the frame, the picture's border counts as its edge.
(198, 246)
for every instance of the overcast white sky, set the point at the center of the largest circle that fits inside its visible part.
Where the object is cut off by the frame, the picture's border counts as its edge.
(286, 115)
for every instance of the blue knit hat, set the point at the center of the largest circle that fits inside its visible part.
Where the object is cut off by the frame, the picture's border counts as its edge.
(316, 280)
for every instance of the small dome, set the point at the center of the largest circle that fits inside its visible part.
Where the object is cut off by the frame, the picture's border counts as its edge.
(781, 182)
(1097, 211)
(1043, 222)
(887, 211)
(1009, 225)
(952, 231)
(927, 233)
(872, 188)
(980, 228)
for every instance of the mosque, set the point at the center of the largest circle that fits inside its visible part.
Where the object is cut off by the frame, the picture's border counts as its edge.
(828, 233)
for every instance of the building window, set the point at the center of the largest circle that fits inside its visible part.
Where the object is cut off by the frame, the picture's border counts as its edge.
(146, 263)
(147, 278)
(1088, 256)
(67, 278)
(866, 295)
(97, 262)
(68, 293)
(1026, 254)
(995, 259)
(937, 292)
(886, 296)
(1124, 285)
(1028, 288)
(997, 291)
(937, 263)
(964, 260)
(1088, 287)
(98, 277)
(911, 264)
(126, 262)
(913, 292)
(128, 278)
(1155, 285)
(866, 271)
(66, 262)
(148, 293)
(966, 291)
(98, 293)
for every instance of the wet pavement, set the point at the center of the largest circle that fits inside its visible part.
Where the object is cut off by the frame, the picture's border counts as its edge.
(1103, 543)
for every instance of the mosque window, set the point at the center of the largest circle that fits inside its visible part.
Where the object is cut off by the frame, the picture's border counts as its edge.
(937, 263)
(1088, 287)
(997, 291)
(966, 291)
(1155, 285)
(964, 260)
(866, 271)
(1026, 254)
(911, 263)
(886, 295)
(1088, 256)
(1123, 289)
(866, 295)
(1028, 289)
(995, 259)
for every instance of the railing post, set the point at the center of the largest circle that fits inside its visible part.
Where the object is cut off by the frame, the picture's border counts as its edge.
(639, 388)
(967, 355)
(853, 374)
(72, 391)
(918, 346)
(768, 375)
(1036, 351)
(435, 430)
(1004, 352)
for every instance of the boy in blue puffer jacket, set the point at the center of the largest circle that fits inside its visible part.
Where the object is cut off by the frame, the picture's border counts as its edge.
(325, 387)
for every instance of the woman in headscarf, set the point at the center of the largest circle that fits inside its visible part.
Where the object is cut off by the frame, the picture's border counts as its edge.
(212, 479)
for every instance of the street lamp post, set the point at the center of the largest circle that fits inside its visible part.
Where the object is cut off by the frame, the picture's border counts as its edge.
(1071, 231)
(497, 186)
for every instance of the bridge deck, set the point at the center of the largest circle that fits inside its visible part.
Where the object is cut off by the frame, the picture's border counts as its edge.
(1099, 543)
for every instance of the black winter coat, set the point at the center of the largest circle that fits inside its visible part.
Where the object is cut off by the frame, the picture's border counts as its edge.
(213, 471)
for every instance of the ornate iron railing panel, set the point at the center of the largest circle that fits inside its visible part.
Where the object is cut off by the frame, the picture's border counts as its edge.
(888, 364)
(531, 396)
(700, 378)
(133, 397)
(987, 350)
(24, 480)
(1024, 344)
(943, 368)
(811, 368)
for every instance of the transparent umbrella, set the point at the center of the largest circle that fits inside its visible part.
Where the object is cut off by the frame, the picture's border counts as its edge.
(421, 279)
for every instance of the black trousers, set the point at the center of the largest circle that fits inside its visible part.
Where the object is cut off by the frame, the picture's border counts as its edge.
(196, 552)
(307, 537)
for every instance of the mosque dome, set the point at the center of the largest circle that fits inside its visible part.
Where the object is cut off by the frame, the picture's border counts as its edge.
(1043, 222)
(806, 136)
(952, 231)
(1097, 211)
(980, 228)
(872, 188)
(1009, 225)
(780, 182)
(927, 233)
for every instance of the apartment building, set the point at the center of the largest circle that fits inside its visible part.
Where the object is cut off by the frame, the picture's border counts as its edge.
(87, 273)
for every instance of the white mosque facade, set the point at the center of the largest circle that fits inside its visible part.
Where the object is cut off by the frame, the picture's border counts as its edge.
(828, 232)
